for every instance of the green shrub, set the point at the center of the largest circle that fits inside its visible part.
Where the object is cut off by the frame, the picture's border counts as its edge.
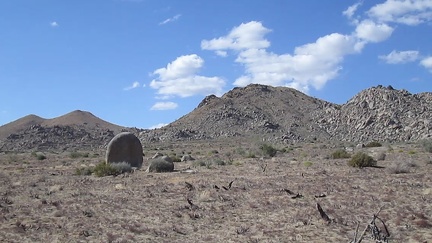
(75, 155)
(105, 169)
(308, 163)
(361, 160)
(122, 167)
(268, 150)
(373, 144)
(340, 154)
(41, 157)
(175, 158)
(84, 171)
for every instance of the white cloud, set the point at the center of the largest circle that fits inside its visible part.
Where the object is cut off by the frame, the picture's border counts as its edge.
(166, 21)
(311, 64)
(160, 125)
(373, 32)
(409, 12)
(350, 11)
(180, 78)
(397, 57)
(243, 37)
(133, 86)
(160, 106)
(427, 63)
(54, 24)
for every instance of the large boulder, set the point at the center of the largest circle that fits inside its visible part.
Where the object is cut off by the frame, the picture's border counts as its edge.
(125, 147)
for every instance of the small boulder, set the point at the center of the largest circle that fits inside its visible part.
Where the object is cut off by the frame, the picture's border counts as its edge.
(187, 157)
(125, 147)
(161, 164)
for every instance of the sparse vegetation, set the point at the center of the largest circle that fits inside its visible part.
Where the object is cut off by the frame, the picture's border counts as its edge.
(381, 156)
(83, 171)
(427, 145)
(340, 154)
(75, 155)
(373, 144)
(268, 150)
(401, 167)
(105, 169)
(361, 160)
(40, 156)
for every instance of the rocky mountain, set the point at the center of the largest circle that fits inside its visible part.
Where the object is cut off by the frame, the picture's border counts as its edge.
(75, 130)
(285, 114)
(275, 114)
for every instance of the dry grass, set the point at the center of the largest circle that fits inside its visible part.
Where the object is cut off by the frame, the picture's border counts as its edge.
(43, 201)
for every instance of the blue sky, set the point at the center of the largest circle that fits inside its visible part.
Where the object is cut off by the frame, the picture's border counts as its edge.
(144, 63)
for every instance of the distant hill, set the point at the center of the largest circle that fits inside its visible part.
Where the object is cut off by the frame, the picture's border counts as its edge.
(275, 114)
(77, 129)
(285, 114)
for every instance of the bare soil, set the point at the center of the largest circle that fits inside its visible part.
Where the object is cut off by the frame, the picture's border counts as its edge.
(270, 199)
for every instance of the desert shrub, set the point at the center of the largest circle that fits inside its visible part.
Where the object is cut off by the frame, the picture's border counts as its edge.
(198, 163)
(268, 150)
(308, 163)
(218, 162)
(75, 155)
(401, 167)
(160, 165)
(122, 167)
(40, 157)
(175, 158)
(373, 144)
(381, 156)
(361, 160)
(84, 171)
(104, 169)
(340, 154)
(427, 145)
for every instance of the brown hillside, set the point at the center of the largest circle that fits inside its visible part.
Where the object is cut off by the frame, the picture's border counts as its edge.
(256, 111)
(19, 125)
(75, 130)
(285, 114)
(84, 118)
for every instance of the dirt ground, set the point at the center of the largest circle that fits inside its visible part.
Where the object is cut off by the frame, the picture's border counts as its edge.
(269, 200)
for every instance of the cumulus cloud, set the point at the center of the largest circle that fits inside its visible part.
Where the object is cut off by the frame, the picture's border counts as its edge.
(161, 106)
(180, 78)
(370, 31)
(409, 12)
(243, 37)
(312, 64)
(54, 24)
(399, 57)
(133, 86)
(166, 21)
(350, 11)
(427, 63)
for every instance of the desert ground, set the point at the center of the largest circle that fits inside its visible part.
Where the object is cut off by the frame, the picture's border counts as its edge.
(229, 193)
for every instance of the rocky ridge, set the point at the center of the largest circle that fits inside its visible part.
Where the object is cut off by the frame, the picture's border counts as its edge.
(285, 114)
(274, 114)
(73, 131)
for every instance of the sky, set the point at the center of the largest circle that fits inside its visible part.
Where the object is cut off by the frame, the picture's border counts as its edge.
(146, 63)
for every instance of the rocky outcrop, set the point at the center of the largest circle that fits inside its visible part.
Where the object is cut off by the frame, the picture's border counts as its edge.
(280, 113)
(382, 114)
(125, 147)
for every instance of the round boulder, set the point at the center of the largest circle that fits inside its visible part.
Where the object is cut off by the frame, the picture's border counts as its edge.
(125, 147)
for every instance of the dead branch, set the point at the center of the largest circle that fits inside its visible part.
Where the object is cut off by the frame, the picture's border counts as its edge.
(323, 215)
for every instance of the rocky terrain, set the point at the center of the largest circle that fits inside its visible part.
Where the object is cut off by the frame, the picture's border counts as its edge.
(285, 114)
(274, 114)
(73, 131)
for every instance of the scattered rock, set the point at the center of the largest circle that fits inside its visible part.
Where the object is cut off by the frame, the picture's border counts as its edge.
(162, 164)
